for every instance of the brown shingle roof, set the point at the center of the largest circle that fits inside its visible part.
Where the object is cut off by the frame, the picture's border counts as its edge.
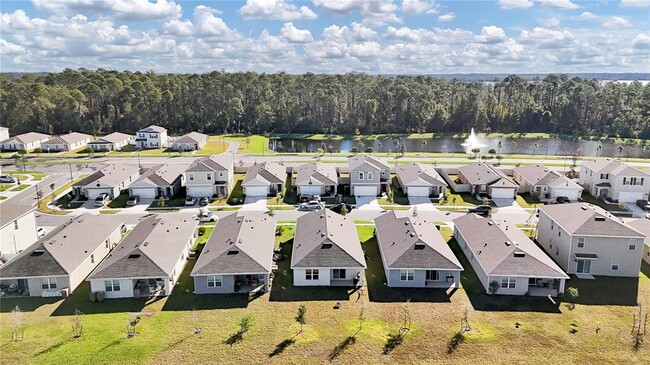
(415, 172)
(192, 137)
(324, 173)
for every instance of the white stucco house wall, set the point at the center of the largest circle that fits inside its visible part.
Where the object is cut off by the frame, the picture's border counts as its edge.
(18, 228)
(152, 137)
(614, 180)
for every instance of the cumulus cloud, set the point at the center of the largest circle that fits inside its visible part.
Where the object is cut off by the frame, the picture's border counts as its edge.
(447, 17)
(588, 16)
(559, 4)
(515, 4)
(8, 48)
(551, 22)
(295, 35)
(635, 3)
(616, 22)
(547, 38)
(376, 13)
(491, 34)
(209, 24)
(275, 9)
(128, 10)
(419, 7)
(641, 41)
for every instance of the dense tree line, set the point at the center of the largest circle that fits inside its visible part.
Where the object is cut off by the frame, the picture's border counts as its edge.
(103, 101)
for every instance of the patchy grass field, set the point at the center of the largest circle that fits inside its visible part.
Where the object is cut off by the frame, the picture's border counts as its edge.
(252, 145)
(166, 330)
(212, 147)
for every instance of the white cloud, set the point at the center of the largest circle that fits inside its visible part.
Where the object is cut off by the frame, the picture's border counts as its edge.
(419, 7)
(641, 41)
(295, 35)
(376, 13)
(635, 3)
(365, 50)
(362, 33)
(491, 34)
(551, 22)
(8, 48)
(340, 7)
(616, 22)
(129, 10)
(275, 9)
(208, 24)
(588, 16)
(179, 28)
(547, 38)
(447, 17)
(559, 4)
(515, 4)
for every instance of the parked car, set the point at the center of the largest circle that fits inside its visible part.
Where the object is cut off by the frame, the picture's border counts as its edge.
(206, 217)
(101, 200)
(643, 204)
(190, 201)
(134, 200)
(311, 205)
(8, 179)
(204, 201)
(40, 232)
(484, 210)
(303, 198)
(338, 207)
(562, 200)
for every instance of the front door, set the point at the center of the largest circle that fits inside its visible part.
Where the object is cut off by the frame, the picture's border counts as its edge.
(603, 193)
(22, 284)
(584, 266)
(432, 275)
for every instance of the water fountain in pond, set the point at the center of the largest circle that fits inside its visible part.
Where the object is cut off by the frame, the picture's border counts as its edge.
(472, 142)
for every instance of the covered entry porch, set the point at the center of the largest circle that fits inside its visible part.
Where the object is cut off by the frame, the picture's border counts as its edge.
(543, 287)
(247, 283)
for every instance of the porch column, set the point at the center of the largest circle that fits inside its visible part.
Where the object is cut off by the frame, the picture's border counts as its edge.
(457, 279)
(561, 289)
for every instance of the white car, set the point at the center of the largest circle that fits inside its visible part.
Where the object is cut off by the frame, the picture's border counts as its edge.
(102, 200)
(41, 232)
(7, 179)
(206, 217)
(311, 205)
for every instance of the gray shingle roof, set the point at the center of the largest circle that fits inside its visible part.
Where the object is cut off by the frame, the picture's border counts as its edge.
(408, 242)
(419, 175)
(326, 239)
(614, 167)
(111, 175)
(28, 137)
(62, 250)
(192, 137)
(115, 137)
(164, 174)
(153, 129)
(480, 174)
(69, 138)
(642, 226)
(325, 173)
(9, 212)
(239, 244)
(211, 164)
(151, 249)
(494, 246)
(272, 172)
(370, 162)
(587, 220)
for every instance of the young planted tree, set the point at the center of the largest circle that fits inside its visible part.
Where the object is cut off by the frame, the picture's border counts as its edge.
(573, 294)
(301, 317)
(493, 287)
(639, 323)
(344, 210)
(77, 323)
(18, 333)
(476, 151)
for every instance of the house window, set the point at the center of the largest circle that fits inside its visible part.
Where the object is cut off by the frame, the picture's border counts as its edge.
(361, 176)
(552, 226)
(191, 177)
(432, 275)
(370, 174)
(338, 273)
(559, 233)
(92, 258)
(581, 242)
(16, 224)
(311, 274)
(112, 285)
(605, 176)
(48, 283)
(214, 281)
(632, 245)
(508, 282)
(208, 176)
(615, 265)
(407, 275)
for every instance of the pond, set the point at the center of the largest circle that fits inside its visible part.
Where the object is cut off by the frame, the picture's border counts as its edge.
(509, 145)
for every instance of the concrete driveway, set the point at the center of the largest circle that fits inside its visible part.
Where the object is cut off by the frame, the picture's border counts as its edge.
(367, 203)
(421, 202)
(503, 203)
(635, 209)
(254, 203)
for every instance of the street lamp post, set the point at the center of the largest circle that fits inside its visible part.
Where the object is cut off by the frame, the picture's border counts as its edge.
(70, 165)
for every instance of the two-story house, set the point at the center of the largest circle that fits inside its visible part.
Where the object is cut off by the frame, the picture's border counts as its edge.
(18, 228)
(614, 180)
(152, 137)
(210, 176)
(487, 180)
(586, 240)
(369, 175)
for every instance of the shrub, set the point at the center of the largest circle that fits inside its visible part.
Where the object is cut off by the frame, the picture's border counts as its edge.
(494, 287)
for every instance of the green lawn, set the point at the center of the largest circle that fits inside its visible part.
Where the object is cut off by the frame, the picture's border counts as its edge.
(289, 195)
(119, 201)
(21, 187)
(165, 333)
(4, 187)
(527, 201)
(458, 199)
(178, 201)
(108, 211)
(252, 145)
(588, 198)
(236, 196)
(213, 147)
(37, 175)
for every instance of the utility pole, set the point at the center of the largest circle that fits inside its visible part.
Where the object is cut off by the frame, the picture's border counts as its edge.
(139, 165)
(70, 165)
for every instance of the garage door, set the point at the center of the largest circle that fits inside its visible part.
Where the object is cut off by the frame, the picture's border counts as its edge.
(256, 191)
(503, 193)
(365, 190)
(418, 191)
(93, 193)
(200, 191)
(630, 197)
(572, 194)
(311, 190)
(144, 193)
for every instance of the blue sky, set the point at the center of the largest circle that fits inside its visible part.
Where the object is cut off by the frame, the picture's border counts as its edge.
(327, 36)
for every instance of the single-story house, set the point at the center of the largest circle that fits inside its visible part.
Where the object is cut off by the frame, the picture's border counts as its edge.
(420, 180)
(111, 180)
(414, 253)
(149, 260)
(238, 256)
(111, 142)
(326, 251)
(26, 141)
(61, 260)
(152, 136)
(66, 142)
(160, 180)
(369, 175)
(586, 240)
(486, 179)
(317, 178)
(4, 133)
(263, 179)
(547, 184)
(18, 228)
(192, 141)
(210, 176)
(643, 227)
(505, 260)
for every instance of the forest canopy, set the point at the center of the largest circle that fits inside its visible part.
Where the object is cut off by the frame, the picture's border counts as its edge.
(102, 101)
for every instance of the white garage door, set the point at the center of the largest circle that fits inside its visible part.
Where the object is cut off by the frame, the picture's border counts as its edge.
(418, 191)
(144, 193)
(93, 193)
(500, 193)
(256, 191)
(572, 194)
(200, 191)
(365, 190)
(629, 196)
(311, 190)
